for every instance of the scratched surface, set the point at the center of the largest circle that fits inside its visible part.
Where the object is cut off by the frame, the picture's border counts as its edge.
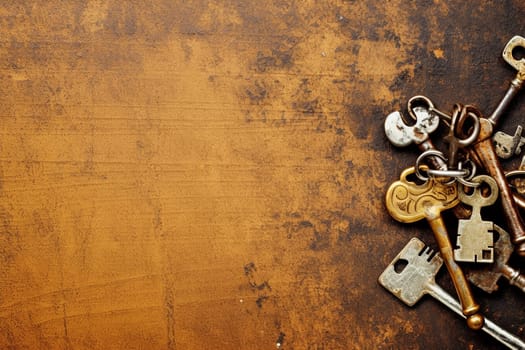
(210, 175)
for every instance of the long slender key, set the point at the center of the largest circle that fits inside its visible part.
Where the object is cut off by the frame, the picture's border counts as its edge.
(487, 278)
(401, 134)
(475, 235)
(408, 202)
(483, 152)
(412, 274)
(517, 83)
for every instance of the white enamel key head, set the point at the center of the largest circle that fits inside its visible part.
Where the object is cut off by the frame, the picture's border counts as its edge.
(400, 134)
(475, 236)
(412, 271)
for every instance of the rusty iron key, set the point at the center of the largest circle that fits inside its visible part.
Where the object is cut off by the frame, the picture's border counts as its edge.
(487, 278)
(408, 202)
(411, 275)
(482, 151)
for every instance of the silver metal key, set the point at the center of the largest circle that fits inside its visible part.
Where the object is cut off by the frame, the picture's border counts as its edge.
(400, 134)
(475, 236)
(412, 274)
(507, 145)
(517, 83)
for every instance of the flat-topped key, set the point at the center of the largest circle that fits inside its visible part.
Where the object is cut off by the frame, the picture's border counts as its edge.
(412, 274)
(408, 202)
(400, 134)
(487, 278)
(475, 238)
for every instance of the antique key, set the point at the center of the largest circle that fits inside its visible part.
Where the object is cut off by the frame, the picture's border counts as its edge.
(487, 278)
(475, 237)
(517, 83)
(412, 274)
(401, 134)
(508, 145)
(483, 152)
(409, 202)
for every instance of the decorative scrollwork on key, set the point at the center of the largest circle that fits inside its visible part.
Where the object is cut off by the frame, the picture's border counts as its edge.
(407, 201)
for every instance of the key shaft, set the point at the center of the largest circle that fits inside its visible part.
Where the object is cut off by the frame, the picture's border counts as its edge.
(489, 327)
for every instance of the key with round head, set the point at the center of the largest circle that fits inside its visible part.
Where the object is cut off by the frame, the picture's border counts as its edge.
(411, 275)
(475, 237)
(407, 202)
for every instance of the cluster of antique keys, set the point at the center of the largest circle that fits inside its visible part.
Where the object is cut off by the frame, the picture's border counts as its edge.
(466, 176)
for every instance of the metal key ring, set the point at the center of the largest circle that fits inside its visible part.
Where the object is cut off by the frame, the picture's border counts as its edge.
(515, 173)
(417, 100)
(468, 138)
(458, 122)
(431, 152)
(424, 155)
(449, 173)
(466, 179)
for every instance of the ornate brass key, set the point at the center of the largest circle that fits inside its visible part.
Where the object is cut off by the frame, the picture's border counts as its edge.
(409, 202)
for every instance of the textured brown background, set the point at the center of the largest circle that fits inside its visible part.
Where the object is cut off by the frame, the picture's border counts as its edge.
(210, 175)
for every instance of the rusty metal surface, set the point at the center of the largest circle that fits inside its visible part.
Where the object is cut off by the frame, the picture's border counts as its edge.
(211, 175)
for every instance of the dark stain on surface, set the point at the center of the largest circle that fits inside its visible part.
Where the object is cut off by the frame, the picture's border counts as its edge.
(257, 93)
(260, 301)
(276, 60)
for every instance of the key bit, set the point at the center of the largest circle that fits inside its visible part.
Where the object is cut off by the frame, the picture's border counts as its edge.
(507, 145)
(475, 237)
(411, 275)
(487, 278)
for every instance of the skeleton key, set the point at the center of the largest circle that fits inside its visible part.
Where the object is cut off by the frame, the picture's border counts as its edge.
(409, 202)
(487, 278)
(517, 83)
(401, 134)
(475, 236)
(412, 274)
(483, 152)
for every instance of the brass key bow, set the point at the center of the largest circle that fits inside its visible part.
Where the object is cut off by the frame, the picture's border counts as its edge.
(409, 202)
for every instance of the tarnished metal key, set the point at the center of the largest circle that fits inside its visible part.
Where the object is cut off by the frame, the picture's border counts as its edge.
(412, 274)
(475, 236)
(408, 202)
(517, 83)
(487, 278)
(482, 151)
(401, 134)
(507, 145)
